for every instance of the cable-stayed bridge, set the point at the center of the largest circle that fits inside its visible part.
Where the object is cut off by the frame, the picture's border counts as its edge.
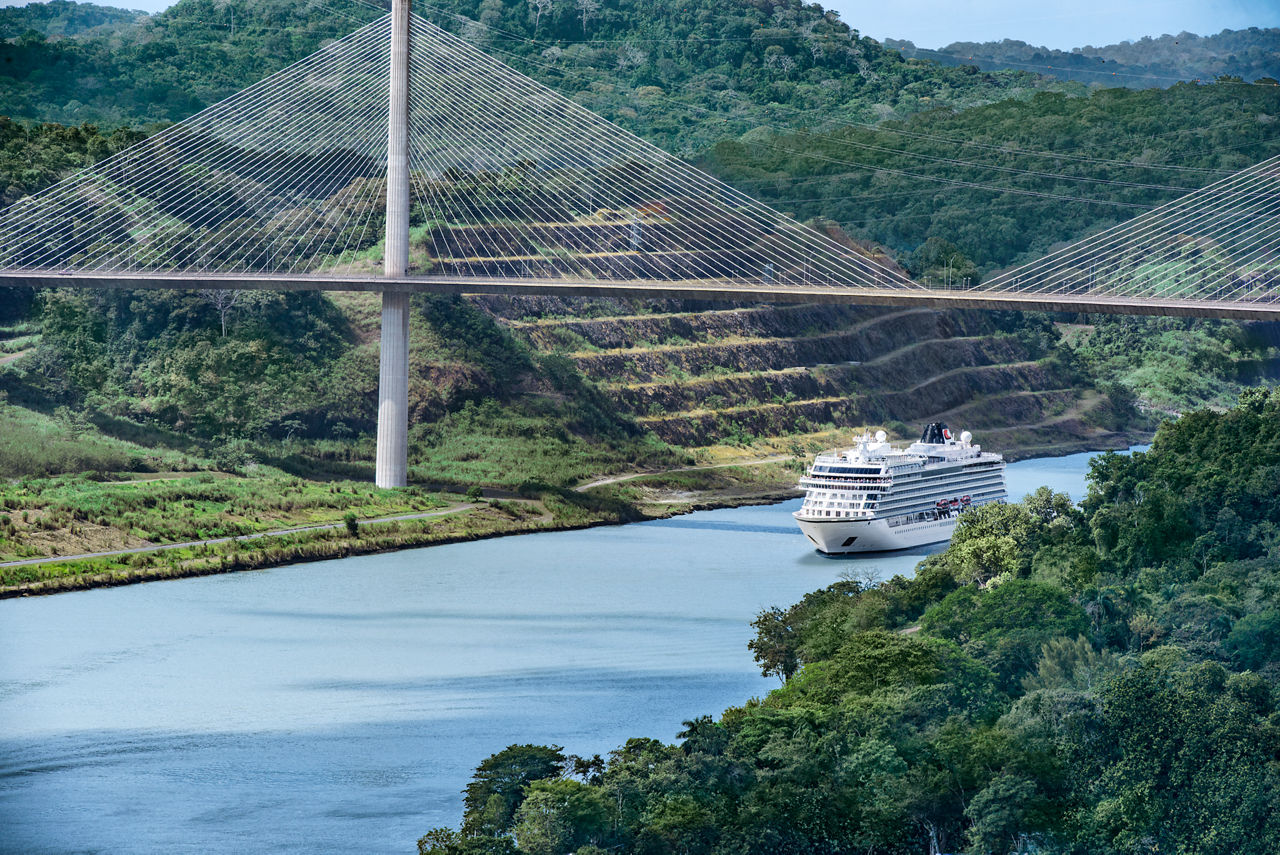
(402, 158)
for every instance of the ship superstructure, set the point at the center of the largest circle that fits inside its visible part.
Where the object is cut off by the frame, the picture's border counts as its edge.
(874, 497)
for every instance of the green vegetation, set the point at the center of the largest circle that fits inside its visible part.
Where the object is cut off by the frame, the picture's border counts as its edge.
(163, 67)
(334, 540)
(1249, 54)
(627, 57)
(190, 507)
(1173, 365)
(275, 386)
(61, 18)
(1101, 678)
(904, 183)
(34, 444)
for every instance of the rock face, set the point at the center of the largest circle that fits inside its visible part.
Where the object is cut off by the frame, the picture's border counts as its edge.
(696, 375)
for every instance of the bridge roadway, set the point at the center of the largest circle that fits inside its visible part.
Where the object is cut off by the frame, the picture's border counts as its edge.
(709, 290)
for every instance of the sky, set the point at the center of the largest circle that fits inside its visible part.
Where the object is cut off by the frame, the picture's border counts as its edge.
(1062, 24)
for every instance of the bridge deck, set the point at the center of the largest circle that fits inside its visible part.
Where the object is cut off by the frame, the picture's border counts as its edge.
(709, 290)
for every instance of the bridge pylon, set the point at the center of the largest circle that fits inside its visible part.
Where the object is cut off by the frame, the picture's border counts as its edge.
(392, 466)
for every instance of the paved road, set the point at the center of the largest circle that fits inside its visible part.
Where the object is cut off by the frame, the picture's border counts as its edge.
(56, 559)
(758, 461)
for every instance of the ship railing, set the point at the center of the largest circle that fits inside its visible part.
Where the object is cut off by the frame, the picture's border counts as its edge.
(846, 481)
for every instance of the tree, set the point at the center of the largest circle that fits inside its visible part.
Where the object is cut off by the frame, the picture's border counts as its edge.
(1006, 626)
(588, 9)
(993, 542)
(776, 643)
(223, 300)
(998, 814)
(1068, 664)
(500, 783)
(702, 734)
(1255, 639)
(559, 816)
(1183, 762)
(538, 8)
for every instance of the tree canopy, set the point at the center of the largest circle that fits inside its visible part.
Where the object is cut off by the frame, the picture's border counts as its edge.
(1107, 685)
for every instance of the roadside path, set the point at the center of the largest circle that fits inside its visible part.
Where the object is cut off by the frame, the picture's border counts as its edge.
(758, 461)
(57, 559)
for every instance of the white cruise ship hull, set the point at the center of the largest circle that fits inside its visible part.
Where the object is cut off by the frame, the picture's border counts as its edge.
(845, 536)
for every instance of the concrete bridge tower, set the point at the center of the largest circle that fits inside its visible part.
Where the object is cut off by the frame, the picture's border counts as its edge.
(393, 376)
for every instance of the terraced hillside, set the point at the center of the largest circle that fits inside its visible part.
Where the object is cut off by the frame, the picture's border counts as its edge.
(699, 376)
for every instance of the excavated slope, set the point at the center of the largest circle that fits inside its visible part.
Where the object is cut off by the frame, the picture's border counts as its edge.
(698, 374)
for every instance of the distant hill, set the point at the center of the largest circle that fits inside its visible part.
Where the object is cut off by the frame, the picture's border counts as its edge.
(742, 61)
(1250, 54)
(63, 18)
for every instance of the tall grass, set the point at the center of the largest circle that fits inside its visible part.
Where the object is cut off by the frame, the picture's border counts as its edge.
(32, 444)
(203, 506)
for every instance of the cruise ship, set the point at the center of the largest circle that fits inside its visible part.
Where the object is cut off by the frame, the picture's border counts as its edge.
(874, 497)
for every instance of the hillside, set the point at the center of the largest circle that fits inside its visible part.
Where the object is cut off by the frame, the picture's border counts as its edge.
(60, 19)
(1062, 679)
(536, 396)
(738, 58)
(1250, 55)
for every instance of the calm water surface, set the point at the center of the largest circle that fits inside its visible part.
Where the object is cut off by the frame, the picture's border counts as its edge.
(342, 705)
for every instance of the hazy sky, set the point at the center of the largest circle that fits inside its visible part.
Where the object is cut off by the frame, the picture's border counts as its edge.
(1056, 23)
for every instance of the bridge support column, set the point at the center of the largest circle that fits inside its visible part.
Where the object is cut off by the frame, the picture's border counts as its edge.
(392, 468)
(393, 392)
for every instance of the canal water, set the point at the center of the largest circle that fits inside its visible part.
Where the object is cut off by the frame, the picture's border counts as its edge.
(342, 705)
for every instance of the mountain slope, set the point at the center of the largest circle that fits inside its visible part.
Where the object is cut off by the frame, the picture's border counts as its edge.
(738, 57)
(65, 18)
(1250, 55)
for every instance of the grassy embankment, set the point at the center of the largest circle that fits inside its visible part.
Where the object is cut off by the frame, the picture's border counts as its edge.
(562, 426)
(127, 496)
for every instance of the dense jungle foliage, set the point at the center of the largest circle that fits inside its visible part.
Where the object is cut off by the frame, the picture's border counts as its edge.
(953, 192)
(1082, 679)
(62, 18)
(786, 102)
(902, 183)
(1250, 54)
(290, 378)
(734, 59)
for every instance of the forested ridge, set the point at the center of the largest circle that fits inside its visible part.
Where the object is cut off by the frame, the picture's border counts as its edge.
(736, 57)
(956, 171)
(786, 102)
(1082, 679)
(1249, 54)
(63, 18)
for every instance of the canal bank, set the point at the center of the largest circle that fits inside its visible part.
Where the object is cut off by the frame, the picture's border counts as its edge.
(342, 706)
(625, 499)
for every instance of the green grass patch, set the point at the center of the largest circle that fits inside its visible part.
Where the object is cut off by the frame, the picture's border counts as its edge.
(33, 443)
(67, 510)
